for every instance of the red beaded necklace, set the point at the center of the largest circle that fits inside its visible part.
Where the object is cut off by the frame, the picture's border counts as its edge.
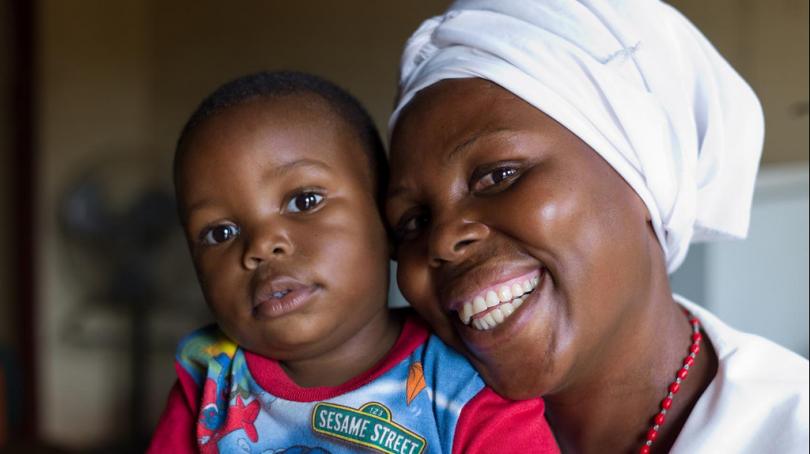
(675, 386)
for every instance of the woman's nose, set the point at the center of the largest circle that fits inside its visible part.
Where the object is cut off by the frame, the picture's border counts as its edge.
(266, 244)
(452, 240)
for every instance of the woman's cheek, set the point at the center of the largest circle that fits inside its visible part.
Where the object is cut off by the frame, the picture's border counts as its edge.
(413, 280)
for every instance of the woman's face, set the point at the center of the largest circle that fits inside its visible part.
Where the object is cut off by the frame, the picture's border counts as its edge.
(516, 241)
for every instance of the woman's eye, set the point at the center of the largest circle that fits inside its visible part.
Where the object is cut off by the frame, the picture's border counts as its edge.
(410, 226)
(304, 202)
(493, 178)
(219, 234)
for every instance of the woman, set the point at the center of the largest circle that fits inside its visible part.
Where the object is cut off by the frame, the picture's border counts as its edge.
(551, 162)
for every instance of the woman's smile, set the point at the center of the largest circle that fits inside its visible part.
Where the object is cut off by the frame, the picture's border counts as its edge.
(493, 304)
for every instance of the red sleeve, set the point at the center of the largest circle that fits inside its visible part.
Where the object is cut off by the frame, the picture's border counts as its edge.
(175, 432)
(489, 423)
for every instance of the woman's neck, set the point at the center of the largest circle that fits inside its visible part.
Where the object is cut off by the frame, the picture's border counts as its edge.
(356, 355)
(612, 409)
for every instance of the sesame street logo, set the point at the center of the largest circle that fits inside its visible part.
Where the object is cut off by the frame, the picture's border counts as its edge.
(371, 426)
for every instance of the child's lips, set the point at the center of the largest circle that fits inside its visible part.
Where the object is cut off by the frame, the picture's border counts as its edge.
(280, 296)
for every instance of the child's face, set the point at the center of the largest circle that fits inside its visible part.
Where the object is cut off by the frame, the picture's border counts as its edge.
(279, 213)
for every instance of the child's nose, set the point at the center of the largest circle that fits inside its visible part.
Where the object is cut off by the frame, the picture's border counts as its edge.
(266, 245)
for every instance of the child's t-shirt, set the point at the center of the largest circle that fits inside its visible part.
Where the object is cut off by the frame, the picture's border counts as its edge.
(423, 397)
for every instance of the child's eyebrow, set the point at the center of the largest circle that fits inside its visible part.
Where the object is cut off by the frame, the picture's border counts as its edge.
(281, 169)
(274, 172)
(198, 205)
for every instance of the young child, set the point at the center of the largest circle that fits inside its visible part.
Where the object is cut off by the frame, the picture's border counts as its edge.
(279, 179)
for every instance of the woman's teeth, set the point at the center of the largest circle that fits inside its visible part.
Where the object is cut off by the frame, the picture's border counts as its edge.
(490, 309)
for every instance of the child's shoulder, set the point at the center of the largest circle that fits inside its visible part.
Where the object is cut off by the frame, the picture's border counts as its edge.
(441, 357)
(200, 348)
(443, 367)
(432, 350)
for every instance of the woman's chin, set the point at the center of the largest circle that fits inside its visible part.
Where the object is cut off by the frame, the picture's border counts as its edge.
(519, 386)
(517, 381)
(518, 358)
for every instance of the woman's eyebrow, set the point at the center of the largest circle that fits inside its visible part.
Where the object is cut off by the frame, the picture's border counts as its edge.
(398, 191)
(460, 149)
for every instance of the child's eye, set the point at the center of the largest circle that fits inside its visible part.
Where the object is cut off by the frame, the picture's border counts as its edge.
(493, 178)
(304, 201)
(219, 234)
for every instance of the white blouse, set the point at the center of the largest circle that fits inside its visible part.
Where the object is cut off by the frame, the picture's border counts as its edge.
(757, 402)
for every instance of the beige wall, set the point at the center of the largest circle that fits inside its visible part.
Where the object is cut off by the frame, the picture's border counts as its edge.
(354, 42)
(94, 65)
(767, 42)
(118, 79)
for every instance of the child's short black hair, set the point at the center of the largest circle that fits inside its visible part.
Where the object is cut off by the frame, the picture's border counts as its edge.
(284, 83)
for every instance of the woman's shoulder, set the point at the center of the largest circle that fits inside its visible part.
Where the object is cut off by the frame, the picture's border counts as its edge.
(757, 401)
(748, 357)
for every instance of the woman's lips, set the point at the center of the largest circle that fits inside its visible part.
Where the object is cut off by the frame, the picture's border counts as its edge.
(281, 296)
(494, 304)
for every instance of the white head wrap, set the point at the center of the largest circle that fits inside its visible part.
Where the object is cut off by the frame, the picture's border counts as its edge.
(634, 79)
